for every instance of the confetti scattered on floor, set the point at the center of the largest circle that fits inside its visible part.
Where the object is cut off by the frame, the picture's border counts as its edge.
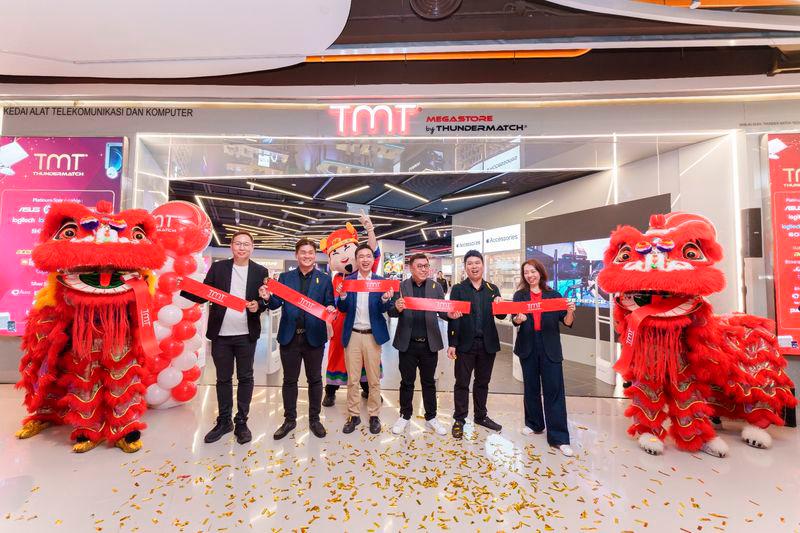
(419, 481)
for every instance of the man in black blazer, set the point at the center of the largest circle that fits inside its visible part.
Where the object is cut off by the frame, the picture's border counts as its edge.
(473, 342)
(233, 335)
(418, 340)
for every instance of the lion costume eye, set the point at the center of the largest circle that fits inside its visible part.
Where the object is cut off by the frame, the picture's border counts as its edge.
(68, 231)
(624, 255)
(692, 252)
(138, 234)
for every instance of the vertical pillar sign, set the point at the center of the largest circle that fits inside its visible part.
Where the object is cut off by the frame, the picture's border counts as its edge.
(36, 172)
(784, 173)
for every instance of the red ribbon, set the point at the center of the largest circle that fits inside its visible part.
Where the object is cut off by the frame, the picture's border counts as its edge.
(434, 304)
(371, 285)
(144, 316)
(213, 295)
(525, 308)
(301, 301)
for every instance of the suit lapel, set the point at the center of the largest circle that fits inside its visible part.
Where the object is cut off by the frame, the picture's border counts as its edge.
(227, 272)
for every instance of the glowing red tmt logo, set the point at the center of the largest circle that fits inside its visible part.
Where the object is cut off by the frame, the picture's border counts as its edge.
(355, 119)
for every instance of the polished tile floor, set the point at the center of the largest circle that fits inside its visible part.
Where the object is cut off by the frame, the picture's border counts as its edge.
(361, 482)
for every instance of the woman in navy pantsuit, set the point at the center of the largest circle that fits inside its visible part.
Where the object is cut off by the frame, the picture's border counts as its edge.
(538, 347)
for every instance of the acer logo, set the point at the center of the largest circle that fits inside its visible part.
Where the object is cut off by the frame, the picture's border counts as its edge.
(69, 162)
(355, 119)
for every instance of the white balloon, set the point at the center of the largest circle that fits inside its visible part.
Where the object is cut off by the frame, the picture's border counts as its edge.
(156, 395)
(198, 276)
(169, 315)
(169, 266)
(184, 361)
(161, 331)
(193, 344)
(169, 377)
(181, 302)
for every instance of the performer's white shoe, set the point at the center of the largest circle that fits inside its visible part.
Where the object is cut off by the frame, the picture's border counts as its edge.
(566, 450)
(436, 426)
(400, 426)
(756, 437)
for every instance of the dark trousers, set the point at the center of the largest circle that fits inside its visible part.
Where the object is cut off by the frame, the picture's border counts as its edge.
(225, 351)
(292, 355)
(477, 360)
(418, 356)
(540, 374)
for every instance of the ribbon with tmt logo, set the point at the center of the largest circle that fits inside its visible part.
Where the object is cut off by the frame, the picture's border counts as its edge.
(526, 308)
(213, 295)
(433, 304)
(144, 314)
(371, 285)
(300, 300)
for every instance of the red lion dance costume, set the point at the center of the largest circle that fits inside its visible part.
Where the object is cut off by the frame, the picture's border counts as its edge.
(83, 364)
(683, 361)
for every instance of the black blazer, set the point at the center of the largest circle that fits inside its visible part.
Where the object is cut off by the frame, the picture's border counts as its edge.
(219, 277)
(551, 335)
(462, 332)
(402, 335)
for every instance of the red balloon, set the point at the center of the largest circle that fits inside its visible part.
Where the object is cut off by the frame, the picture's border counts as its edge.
(160, 299)
(185, 265)
(168, 282)
(182, 227)
(193, 314)
(183, 330)
(158, 363)
(171, 347)
(149, 378)
(193, 374)
(184, 391)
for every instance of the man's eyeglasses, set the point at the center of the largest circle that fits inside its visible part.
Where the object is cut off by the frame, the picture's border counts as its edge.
(422, 267)
(242, 244)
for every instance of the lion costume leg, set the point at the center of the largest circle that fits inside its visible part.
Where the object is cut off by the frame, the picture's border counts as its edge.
(124, 400)
(689, 412)
(647, 411)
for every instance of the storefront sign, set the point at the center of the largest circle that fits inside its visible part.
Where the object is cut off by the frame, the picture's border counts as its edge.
(502, 239)
(464, 243)
(35, 172)
(382, 119)
(784, 173)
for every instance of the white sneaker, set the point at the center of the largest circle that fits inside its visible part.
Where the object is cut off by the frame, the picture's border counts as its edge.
(527, 431)
(436, 426)
(400, 426)
(566, 450)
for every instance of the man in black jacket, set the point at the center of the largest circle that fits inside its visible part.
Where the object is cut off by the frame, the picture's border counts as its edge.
(473, 343)
(233, 335)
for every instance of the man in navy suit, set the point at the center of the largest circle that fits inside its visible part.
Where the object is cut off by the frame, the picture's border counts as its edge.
(302, 337)
(364, 332)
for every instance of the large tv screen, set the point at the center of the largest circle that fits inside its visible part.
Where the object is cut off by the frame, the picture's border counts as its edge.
(572, 269)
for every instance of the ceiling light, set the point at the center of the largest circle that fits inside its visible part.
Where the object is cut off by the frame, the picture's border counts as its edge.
(345, 193)
(422, 230)
(281, 220)
(471, 196)
(409, 228)
(202, 207)
(301, 215)
(541, 206)
(276, 189)
(284, 228)
(407, 193)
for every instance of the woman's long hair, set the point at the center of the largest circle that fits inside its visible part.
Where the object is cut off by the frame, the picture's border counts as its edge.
(535, 263)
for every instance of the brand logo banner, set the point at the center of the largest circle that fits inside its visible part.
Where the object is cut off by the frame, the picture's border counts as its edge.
(526, 308)
(433, 304)
(301, 301)
(213, 295)
(371, 285)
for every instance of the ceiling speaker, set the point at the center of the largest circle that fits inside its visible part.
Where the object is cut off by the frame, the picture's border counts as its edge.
(435, 9)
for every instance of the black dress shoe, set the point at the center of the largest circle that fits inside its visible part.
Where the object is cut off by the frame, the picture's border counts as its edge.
(317, 429)
(488, 423)
(458, 429)
(329, 400)
(223, 426)
(242, 432)
(285, 428)
(374, 425)
(364, 394)
(351, 424)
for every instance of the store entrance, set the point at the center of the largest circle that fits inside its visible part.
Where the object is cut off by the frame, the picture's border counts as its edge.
(512, 198)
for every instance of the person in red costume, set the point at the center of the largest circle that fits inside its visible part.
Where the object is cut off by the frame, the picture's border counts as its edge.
(84, 362)
(684, 362)
(341, 246)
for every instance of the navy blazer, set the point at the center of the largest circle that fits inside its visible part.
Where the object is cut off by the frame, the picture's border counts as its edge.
(551, 335)
(376, 309)
(320, 290)
(219, 277)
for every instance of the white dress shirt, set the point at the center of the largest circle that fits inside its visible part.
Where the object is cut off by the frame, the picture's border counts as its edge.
(362, 308)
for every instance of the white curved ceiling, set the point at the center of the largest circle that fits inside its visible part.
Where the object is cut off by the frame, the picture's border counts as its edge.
(164, 39)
